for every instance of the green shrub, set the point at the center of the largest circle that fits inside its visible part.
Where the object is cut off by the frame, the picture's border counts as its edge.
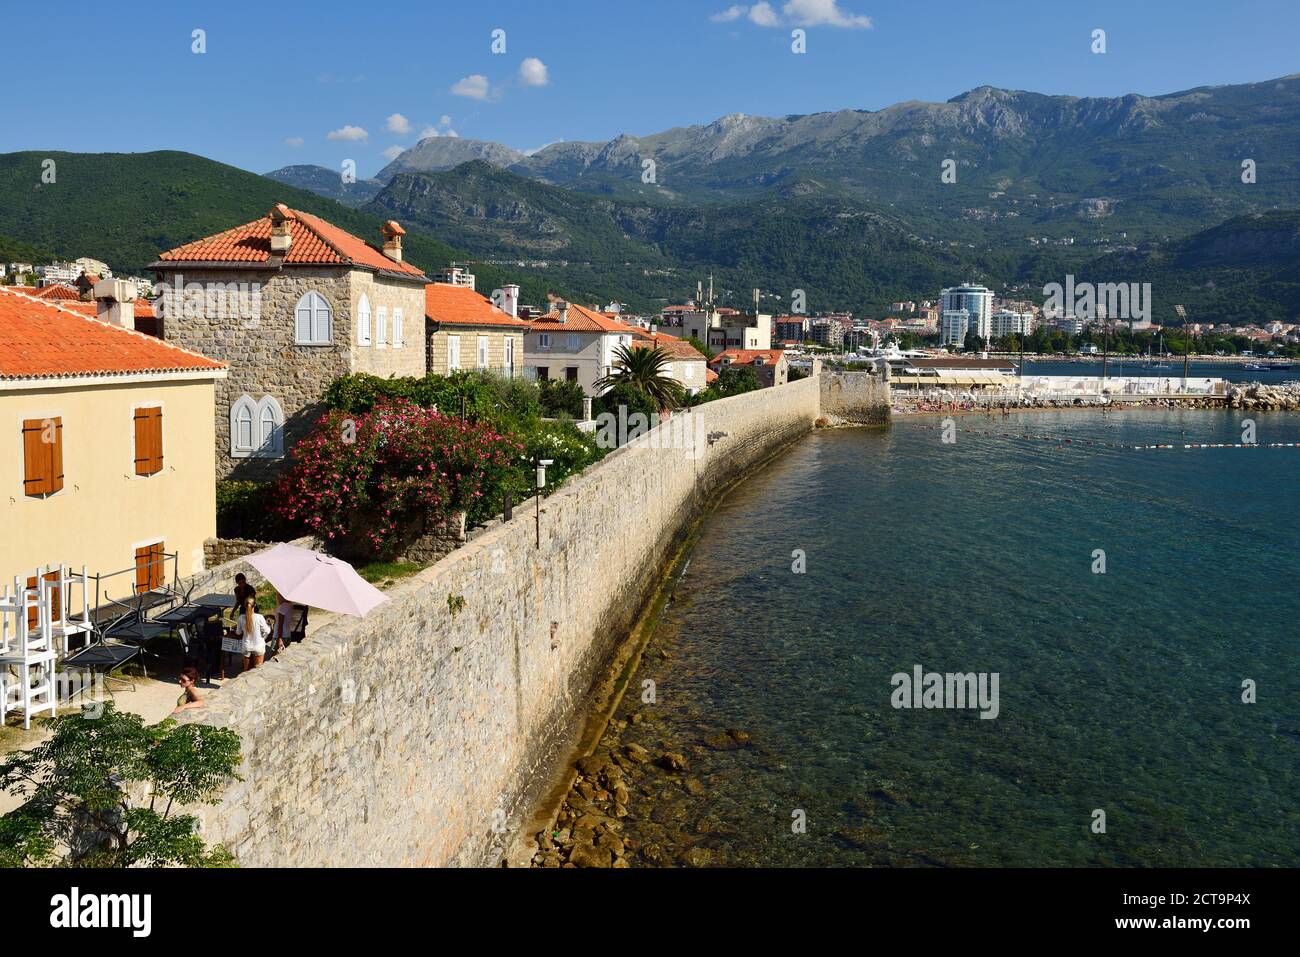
(560, 397)
(247, 510)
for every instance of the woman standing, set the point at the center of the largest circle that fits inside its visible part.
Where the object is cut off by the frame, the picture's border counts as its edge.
(253, 628)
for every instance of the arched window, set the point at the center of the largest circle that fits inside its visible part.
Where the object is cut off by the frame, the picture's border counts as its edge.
(312, 320)
(242, 416)
(270, 431)
(363, 321)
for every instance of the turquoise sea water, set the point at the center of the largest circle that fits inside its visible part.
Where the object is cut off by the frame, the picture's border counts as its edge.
(1118, 691)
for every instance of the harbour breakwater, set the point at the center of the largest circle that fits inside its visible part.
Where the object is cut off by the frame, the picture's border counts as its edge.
(419, 735)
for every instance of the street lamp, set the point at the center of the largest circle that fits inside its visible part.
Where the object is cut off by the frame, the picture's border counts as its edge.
(540, 478)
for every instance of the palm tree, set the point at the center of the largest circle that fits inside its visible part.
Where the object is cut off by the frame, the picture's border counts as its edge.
(647, 370)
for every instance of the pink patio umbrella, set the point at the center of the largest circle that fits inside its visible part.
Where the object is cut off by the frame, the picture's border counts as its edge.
(310, 578)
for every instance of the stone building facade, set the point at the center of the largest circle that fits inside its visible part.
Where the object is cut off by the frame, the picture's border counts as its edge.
(466, 331)
(290, 303)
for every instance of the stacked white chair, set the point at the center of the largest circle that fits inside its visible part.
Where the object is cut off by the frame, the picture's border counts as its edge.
(27, 653)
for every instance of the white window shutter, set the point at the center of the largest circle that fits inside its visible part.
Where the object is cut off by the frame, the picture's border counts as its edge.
(397, 327)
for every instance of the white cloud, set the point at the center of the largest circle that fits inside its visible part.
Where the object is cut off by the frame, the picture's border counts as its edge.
(474, 86)
(350, 133)
(452, 133)
(294, 141)
(393, 152)
(533, 72)
(429, 131)
(804, 13)
(824, 13)
(444, 120)
(399, 124)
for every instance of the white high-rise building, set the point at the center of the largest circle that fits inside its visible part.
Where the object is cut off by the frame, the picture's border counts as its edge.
(1007, 322)
(977, 302)
(953, 326)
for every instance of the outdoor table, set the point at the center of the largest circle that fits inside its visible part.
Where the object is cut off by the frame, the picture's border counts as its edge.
(216, 600)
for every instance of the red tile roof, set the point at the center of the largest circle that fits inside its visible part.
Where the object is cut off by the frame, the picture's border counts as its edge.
(580, 319)
(57, 291)
(462, 306)
(314, 241)
(676, 347)
(40, 339)
(143, 307)
(744, 357)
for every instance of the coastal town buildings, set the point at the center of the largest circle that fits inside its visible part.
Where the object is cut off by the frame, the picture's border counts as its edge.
(1006, 322)
(111, 436)
(290, 302)
(728, 329)
(686, 365)
(574, 343)
(770, 366)
(464, 330)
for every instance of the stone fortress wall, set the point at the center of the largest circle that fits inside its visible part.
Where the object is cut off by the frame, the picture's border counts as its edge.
(412, 737)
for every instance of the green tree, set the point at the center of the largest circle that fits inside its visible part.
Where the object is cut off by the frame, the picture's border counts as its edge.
(81, 790)
(647, 369)
(701, 348)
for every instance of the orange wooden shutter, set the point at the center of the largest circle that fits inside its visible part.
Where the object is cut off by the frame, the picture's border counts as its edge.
(148, 567)
(42, 460)
(148, 441)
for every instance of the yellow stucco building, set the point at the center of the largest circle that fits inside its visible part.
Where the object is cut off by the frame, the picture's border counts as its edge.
(107, 439)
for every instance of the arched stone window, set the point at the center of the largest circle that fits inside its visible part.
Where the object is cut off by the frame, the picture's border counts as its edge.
(270, 420)
(243, 413)
(313, 321)
(256, 428)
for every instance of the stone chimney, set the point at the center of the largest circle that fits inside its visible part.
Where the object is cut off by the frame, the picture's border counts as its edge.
(392, 233)
(281, 235)
(510, 300)
(115, 302)
(564, 311)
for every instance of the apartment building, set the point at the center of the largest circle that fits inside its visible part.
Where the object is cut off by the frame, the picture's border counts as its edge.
(770, 365)
(575, 343)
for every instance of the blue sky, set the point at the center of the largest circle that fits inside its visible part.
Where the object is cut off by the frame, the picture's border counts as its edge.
(278, 78)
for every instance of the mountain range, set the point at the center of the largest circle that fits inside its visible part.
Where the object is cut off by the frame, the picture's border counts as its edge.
(850, 206)
(1024, 163)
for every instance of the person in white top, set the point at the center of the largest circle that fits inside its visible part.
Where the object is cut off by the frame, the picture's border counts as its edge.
(253, 628)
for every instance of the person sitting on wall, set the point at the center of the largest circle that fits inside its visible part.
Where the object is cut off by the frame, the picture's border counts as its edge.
(253, 628)
(190, 697)
(283, 621)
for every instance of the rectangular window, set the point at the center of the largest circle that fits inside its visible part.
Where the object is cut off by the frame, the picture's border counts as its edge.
(148, 441)
(397, 328)
(543, 373)
(149, 568)
(381, 327)
(482, 352)
(571, 373)
(571, 342)
(510, 357)
(544, 340)
(453, 353)
(42, 456)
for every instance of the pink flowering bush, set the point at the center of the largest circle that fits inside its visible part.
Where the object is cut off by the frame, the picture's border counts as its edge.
(368, 484)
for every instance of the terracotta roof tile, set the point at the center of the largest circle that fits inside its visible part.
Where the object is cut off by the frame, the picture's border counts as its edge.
(462, 306)
(744, 357)
(581, 319)
(40, 339)
(57, 291)
(313, 241)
